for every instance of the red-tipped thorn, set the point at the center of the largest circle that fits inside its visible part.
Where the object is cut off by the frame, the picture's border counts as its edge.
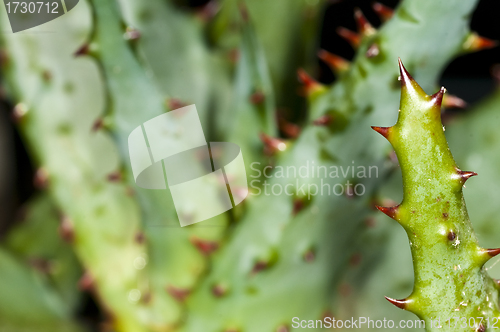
(465, 175)
(86, 282)
(259, 266)
(477, 43)
(389, 211)
(364, 27)
(205, 247)
(83, 50)
(257, 97)
(405, 78)
(208, 11)
(115, 176)
(336, 63)
(178, 294)
(384, 131)
(351, 37)
(451, 101)
(283, 328)
(372, 51)
(385, 13)
(493, 252)
(41, 179)
(401, 304)
(324, 120)
(291, 130)
(437, 98)
(132, 33)
(244, 12)
(98, 124)
(66, 230)
(272, 145)
(309, 84)
(219, 290)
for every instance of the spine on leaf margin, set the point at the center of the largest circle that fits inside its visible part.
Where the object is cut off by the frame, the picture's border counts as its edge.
(452, 288)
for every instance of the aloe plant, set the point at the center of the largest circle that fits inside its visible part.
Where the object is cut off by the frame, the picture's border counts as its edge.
(113, 66)
(452, 287)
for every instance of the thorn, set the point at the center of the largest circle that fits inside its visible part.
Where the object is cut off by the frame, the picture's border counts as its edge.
(205, 247)
(208, 11)
(4, 58)
(289, 129)
(139, 238)
(390, 211)
(475, 43)
(324, 120)
(351, 37)
(42, 265)
(86, 282)
(219, 290)
(384, 131)
(272, 145)
(385, 13)
(174, 103)
(364, 27)
(115, 176)
(178, 294)
(283, 328)
(451, 101)
(132, 33)
(41, 179)
(98, 124)
(401, 304)
(493, 252)
(259, 266)
(310, 85)
(406, 78)
(147, 297)
(129, 191)
(257, 98)
(244, 12)
(336, 63)
(298, 205)
(355, 259)
(83, 50)
(465, 175)
(309, 256)
(66, 230)
(372, 51)
(47, 76)
(437, 98)
(19, 112)
(233, 55)
(345, 290)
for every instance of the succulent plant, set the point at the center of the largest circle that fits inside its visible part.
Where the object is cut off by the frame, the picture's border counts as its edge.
(451, 283)
(39, 274)
(117, 64)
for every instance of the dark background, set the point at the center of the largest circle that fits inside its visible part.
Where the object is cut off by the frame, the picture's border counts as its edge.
(468, 76)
